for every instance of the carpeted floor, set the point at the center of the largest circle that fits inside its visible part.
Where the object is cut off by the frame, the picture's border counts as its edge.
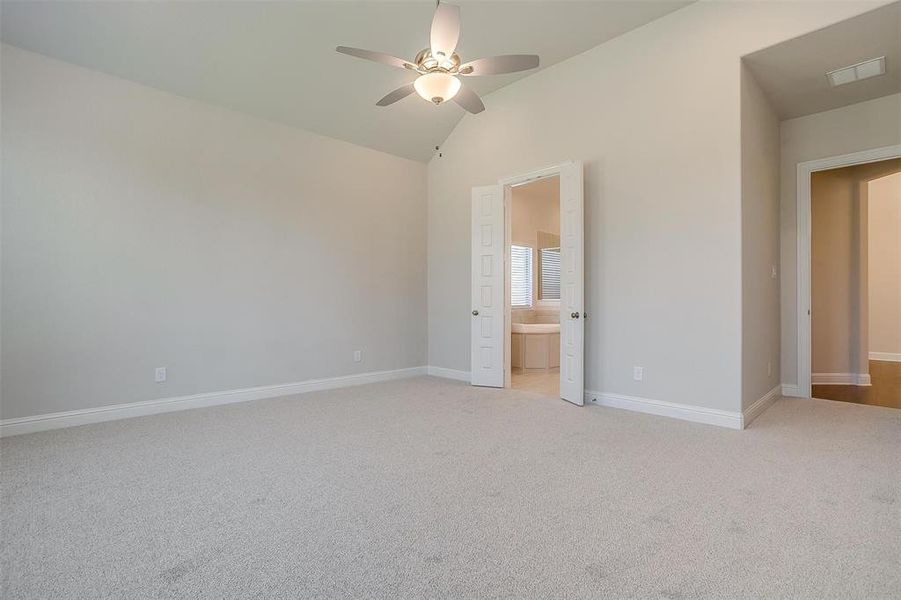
(430, 488)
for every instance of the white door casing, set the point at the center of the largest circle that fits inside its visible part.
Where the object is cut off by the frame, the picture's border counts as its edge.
(572, 284)
(803, 300)
(487, 329)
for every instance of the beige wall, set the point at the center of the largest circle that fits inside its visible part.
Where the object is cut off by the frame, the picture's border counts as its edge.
(535, 208)
(840, 223)
(884, 207)
(141, 229)
(759, 241)
(863, 126)
(655, 116)
(836, 279)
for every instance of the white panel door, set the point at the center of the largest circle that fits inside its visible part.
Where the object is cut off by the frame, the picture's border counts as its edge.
(572, 288)
(487, 331)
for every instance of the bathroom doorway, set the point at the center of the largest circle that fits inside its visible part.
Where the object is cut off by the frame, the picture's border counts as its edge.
(535, 286)
(528, 285)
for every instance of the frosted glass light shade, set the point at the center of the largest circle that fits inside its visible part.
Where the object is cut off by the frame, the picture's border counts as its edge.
(437, 87)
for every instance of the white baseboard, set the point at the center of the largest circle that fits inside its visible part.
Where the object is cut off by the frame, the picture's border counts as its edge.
(792, 390)
(756, 409)
(686, 412)
(150, 407)
(840, 379)
(449, 373)
(887, 356)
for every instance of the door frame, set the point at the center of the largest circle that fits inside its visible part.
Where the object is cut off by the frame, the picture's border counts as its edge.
(509, 183)
(803, 300)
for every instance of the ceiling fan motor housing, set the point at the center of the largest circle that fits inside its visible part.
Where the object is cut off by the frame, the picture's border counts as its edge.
(426, 63)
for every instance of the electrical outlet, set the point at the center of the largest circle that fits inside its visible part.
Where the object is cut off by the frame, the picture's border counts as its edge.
(769, 369)
(358, 356)
(160, 375)
(773, 272)
(637, 373)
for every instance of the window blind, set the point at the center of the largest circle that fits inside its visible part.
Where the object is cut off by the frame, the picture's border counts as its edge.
(550, 273)
(521, 276)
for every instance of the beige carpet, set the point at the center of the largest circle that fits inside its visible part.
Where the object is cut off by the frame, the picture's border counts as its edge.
(430, 488)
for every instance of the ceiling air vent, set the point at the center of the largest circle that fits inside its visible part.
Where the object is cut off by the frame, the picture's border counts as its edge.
(862, 70)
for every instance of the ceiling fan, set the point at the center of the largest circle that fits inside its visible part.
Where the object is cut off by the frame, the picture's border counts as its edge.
(439, 66)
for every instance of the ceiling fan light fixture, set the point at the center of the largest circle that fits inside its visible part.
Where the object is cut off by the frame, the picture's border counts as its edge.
(437, 87)
(439, 65)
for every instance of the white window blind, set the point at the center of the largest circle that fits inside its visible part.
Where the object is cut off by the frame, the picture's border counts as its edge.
(550, 273)
(521, 276)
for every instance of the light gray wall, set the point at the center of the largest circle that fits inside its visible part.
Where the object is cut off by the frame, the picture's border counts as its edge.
(140, 229)
(655, 116)
(759, 241)
(863, 126)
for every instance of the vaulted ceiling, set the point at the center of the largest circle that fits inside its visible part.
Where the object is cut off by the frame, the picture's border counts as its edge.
(277, 60)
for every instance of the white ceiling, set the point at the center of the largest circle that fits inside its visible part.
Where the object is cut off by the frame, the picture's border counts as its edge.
(277, 60)
(793, 73)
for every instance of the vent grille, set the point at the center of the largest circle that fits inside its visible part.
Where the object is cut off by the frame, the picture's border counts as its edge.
(862, 70)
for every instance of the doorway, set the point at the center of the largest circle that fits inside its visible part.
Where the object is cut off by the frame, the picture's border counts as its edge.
(855, 283)
(507, 279)
(534, 272)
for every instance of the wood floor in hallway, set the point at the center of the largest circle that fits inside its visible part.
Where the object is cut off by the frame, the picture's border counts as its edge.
(884, 391)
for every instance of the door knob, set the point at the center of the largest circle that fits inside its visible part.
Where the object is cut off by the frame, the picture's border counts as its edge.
(475, 313)
(574, 315)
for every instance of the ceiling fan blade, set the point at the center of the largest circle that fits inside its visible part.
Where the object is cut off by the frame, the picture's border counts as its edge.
(498, 65)
(378, 57)
(445, 30)
(398, 94)
(469, 100)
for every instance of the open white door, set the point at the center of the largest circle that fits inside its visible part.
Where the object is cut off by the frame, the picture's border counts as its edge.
(572, 288)
(487, 331)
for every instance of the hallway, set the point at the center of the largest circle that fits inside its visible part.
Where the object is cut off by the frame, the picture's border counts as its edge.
(884, 391)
